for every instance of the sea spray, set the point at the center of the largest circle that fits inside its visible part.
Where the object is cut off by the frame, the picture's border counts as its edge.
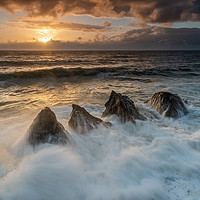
(143, 161)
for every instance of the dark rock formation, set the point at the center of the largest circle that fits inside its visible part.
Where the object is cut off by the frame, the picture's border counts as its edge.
(46, 129)
(82, 121)
(170, 104)
(123, 107)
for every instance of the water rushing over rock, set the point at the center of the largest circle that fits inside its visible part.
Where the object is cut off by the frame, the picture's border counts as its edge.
(123, 107)
(169, 104)
(46, 129)
(82, 121)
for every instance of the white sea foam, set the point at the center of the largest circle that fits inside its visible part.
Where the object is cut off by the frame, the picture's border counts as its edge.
(154, 159)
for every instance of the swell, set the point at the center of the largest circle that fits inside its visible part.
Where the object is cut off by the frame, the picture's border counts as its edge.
(115, 72)
(57, 73)
(48, 62)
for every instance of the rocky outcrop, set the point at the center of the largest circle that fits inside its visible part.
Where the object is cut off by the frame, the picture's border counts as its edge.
(82, 121)
(169, 104)
(123, 107)
(46, 129)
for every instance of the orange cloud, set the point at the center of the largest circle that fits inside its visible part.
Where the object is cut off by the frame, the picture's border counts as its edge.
(63, 25)
(107, 23)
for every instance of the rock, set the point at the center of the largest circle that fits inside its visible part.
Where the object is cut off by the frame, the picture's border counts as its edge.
(185, 101)
(123, 107)
(46, 129)
(169, 104)
(82, 121)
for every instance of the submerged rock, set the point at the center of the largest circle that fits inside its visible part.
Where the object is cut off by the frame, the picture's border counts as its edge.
(169, 104)
(123, 107)
(46, 129)
(82, 121)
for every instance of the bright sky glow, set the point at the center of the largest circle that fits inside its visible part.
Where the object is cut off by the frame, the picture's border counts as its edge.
(44, 39)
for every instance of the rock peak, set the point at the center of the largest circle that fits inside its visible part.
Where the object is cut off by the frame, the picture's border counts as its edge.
(170, 104)
(123, 107)
(46, 129)
(82, 121)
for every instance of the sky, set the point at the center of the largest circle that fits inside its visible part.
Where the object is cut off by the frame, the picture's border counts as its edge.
(100, 24)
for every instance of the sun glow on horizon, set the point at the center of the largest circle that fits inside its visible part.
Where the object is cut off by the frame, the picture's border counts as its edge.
(45, 35)
(45, 39)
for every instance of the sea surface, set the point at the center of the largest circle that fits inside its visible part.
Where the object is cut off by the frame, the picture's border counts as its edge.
(157, 159)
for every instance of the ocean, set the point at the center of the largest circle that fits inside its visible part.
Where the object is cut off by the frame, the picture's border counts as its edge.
(156, 159)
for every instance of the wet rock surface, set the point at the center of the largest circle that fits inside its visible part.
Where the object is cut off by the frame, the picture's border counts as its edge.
(169, 104)
(123, 107)
(46, 129)
(82, 121)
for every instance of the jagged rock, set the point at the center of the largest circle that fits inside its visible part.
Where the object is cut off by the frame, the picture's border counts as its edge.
(123, 107)
(169, 104)
(82, 121)
(46, 129)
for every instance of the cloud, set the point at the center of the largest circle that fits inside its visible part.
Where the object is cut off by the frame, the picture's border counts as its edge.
(154, 11)
(107, 23)
(100, 38)
(160, 38)
(137, 25)
(62, 25)
(79, 38)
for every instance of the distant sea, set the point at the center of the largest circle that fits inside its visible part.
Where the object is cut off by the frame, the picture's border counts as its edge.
(152, 160)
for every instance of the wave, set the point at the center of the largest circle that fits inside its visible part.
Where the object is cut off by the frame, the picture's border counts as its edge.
(56, 73)
(114, 72)
(48, 62)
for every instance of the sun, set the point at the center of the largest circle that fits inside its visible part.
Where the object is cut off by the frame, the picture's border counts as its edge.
(45, 39)
(44, 35)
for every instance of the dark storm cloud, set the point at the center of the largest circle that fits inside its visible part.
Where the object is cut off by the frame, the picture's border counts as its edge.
(161, 38)
(155, 11)
(149, 38)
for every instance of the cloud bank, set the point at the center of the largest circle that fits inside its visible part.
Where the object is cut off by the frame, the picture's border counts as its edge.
(63, 25)
(159, 38)
(154, 11)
